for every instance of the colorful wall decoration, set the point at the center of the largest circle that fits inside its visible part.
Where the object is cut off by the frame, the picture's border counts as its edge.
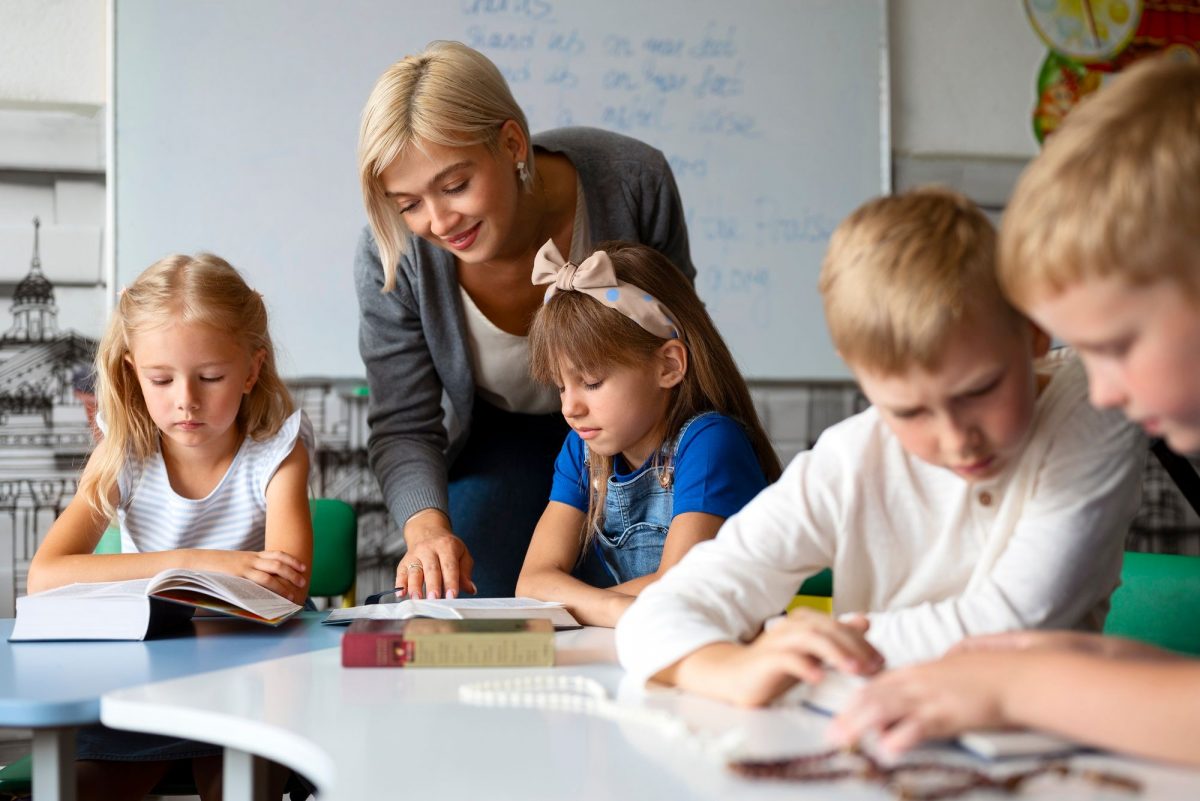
(1090, 41)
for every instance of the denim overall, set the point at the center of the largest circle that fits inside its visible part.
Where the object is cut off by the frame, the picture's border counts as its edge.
(637, 515)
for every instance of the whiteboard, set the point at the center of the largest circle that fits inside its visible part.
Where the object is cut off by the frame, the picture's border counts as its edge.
(235, 127)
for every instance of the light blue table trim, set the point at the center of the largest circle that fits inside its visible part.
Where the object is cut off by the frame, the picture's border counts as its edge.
(58, 684)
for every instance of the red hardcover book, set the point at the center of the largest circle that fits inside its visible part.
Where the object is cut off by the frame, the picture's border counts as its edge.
(422, 642)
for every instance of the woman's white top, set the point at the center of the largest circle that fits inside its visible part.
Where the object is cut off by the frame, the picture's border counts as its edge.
(500, 360)
(929, 557)
(233, 516)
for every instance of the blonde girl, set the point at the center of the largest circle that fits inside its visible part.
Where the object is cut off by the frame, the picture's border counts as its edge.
(204, 463)
(460, 195)
(665, 442)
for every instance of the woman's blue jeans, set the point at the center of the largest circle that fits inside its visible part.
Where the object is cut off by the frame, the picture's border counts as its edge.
(499, 487)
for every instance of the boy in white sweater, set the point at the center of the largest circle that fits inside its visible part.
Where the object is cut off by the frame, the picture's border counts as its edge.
(980, 493)
(1100, 245)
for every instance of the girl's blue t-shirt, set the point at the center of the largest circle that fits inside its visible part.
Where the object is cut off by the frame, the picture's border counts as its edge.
(715, 470)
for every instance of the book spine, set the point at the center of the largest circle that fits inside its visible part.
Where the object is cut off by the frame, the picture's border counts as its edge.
(373, 650)
(526, 649)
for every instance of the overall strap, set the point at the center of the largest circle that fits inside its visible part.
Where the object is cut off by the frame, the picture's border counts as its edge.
(668, 450)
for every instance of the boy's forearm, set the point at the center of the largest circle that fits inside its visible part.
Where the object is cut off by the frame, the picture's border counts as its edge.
(695, 672)
(1145, 707)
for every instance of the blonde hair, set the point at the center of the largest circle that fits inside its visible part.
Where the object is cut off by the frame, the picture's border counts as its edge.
(902, 272)
(576, 328)
(449, 95)
(202, 289)
(1116, 192)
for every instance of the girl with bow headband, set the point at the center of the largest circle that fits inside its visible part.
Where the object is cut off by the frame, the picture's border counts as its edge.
(665, 442)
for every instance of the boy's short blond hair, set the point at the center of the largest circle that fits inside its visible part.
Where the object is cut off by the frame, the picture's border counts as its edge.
(902, 273)
(1116, 192)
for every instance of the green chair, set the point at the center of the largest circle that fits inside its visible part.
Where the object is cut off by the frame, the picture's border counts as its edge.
(110, 541)
(1158, 601)
(815, 593)
(335, 549)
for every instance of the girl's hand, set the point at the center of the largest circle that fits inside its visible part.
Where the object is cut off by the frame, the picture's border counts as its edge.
(904, 707)
(1077, 641)
(437, 563)
(790, 650)
(278, 571)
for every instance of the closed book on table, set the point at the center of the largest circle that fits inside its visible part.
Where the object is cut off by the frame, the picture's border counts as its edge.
(449, 643)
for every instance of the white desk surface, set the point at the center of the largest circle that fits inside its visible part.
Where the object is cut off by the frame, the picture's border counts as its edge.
(373, 733)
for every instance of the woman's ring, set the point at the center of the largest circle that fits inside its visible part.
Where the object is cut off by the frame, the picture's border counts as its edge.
(414, 566)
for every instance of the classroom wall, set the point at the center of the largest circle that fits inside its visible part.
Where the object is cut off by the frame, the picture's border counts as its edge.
(53, 51)
(53, 56)
(963, 76)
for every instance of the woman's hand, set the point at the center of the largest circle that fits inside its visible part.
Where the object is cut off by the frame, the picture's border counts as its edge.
(437, 563)
(792, 649)
(278, 571)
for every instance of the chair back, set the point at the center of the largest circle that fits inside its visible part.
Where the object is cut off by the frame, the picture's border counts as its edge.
(1158, 601)
(815, 593)
(110, 540)
(335, 549)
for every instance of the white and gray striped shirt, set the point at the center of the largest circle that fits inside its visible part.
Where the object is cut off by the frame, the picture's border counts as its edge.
(231, 517)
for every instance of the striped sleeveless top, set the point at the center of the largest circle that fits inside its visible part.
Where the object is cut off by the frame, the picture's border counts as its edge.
(231, 517)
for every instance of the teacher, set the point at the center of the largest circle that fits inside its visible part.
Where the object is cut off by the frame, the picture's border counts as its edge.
(460, 197)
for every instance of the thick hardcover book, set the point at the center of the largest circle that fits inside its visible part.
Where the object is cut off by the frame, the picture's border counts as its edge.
(141, 608)
(423, 642)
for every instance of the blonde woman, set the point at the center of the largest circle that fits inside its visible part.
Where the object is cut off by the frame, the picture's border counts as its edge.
(460, 197)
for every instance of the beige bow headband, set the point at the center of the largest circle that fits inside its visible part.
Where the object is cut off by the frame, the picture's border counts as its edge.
(595, 277)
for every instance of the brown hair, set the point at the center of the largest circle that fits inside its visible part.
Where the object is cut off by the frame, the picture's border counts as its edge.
(1116, 192)
(202, 289)
(587, 334)
(902, 272)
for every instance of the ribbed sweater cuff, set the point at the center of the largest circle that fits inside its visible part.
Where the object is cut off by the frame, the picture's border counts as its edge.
(410, 503)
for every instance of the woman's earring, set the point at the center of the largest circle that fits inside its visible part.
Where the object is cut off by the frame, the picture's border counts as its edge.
(523, 172)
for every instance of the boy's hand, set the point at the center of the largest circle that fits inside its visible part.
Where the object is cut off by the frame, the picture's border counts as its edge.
(278, 571)
(904, 707)
(790, 650)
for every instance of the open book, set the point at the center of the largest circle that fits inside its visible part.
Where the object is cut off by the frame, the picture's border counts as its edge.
(141, 608)
(458, 609)
(831, 694)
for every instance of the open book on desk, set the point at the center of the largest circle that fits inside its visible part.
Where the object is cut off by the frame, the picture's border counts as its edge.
(458, 609)
(832, 694)
(142, 608)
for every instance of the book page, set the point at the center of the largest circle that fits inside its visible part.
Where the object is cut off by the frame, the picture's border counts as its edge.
(459, 608)
(221, 592)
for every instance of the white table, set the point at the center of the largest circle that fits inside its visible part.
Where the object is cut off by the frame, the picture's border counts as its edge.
(392, 733)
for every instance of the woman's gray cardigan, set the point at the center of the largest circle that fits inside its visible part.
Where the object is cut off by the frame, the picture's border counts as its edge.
(413, 341)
